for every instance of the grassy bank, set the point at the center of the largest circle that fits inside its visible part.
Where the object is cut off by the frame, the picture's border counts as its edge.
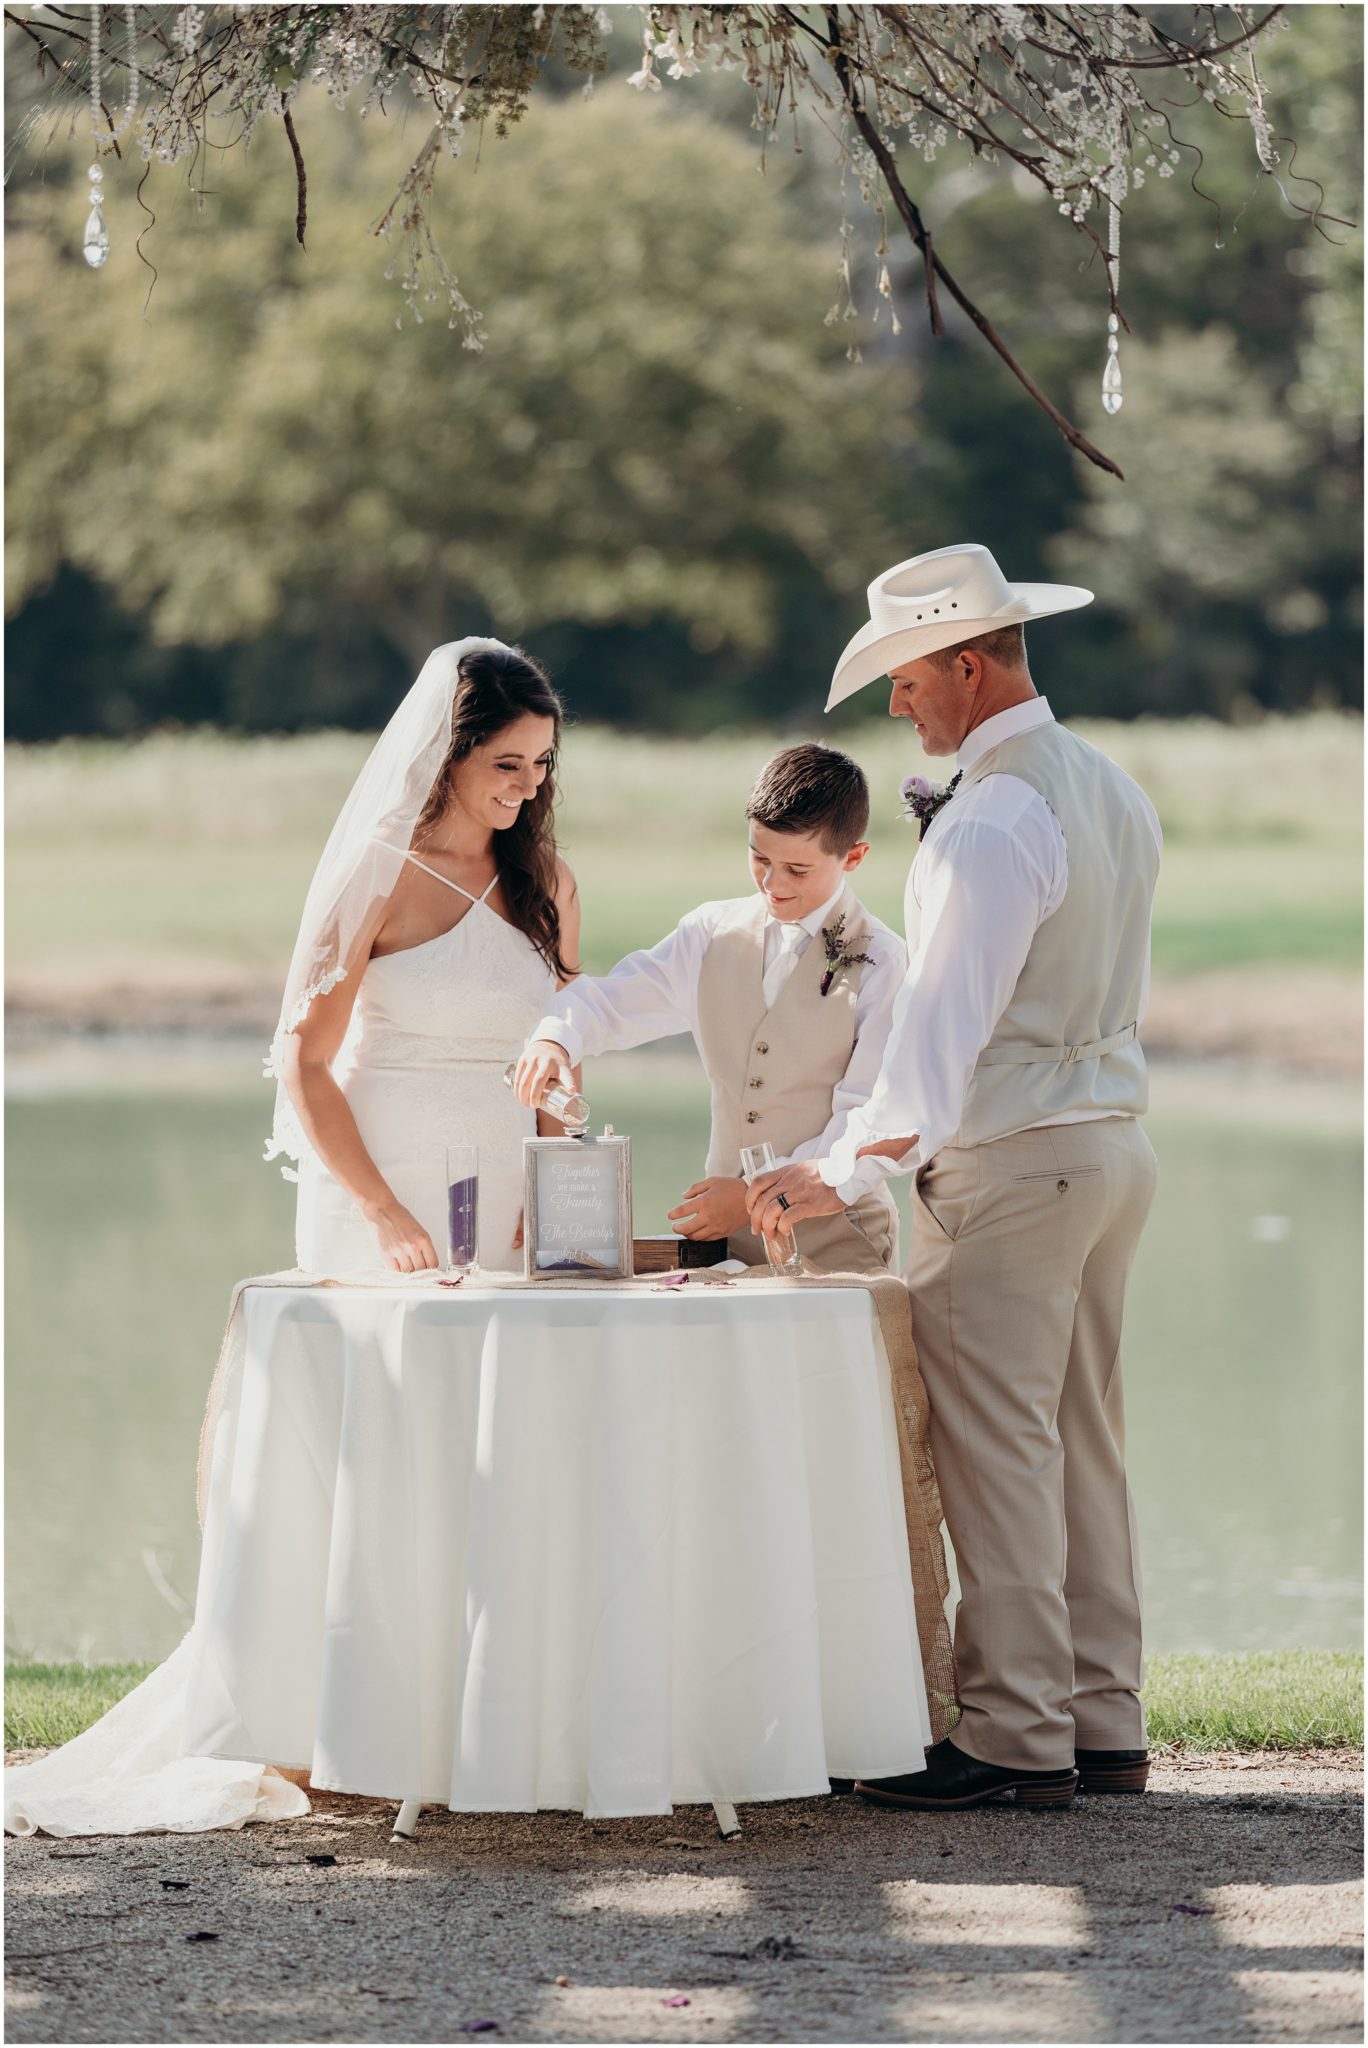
(46, 1704)
(1290, 1699)
(205, 843)
(1277, 1699)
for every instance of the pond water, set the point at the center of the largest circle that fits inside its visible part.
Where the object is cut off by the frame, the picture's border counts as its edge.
(136, 1196)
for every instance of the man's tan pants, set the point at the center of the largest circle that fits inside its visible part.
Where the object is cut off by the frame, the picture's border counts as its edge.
(1020, 1255)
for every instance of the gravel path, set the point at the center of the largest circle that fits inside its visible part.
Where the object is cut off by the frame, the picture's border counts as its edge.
(1224, 1906)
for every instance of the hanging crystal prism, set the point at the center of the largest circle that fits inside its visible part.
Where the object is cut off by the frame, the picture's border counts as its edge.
(95, 248)
(1111, 376)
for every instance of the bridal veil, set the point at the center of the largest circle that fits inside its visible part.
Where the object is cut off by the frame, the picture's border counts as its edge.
(360, 863)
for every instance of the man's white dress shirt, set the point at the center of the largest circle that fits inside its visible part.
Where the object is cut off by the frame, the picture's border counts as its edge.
(992, 867)
(654, 994)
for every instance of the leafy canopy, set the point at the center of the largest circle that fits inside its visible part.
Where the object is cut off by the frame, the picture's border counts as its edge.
(1079, 100)
(662, 434)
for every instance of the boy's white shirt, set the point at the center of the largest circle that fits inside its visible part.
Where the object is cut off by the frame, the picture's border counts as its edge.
(654, 994)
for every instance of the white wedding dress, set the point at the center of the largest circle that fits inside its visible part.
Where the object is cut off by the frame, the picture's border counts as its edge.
(436, 1026)
(438, 1023)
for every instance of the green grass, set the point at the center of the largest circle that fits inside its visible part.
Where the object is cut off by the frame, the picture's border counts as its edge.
(1275, 1699)
(46, 1704)
(1281, 1699)
(1255, 906)
(188, 854)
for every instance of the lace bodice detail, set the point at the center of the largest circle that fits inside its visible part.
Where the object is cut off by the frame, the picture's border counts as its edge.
(472, 995)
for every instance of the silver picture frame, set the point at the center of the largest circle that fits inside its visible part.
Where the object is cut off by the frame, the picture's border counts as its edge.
(570, 1185)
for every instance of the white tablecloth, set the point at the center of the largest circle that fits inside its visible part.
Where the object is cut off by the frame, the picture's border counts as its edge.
(597, 1550)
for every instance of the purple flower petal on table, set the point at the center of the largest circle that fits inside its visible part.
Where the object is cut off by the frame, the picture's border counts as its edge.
(674, 2001)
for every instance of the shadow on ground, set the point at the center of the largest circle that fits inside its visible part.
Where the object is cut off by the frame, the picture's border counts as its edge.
(1223, 1906)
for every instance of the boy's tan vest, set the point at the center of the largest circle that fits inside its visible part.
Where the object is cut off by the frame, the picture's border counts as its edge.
(772, 1072)
(1066, 1041)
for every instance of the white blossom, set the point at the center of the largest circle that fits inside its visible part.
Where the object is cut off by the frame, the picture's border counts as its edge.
(1083, 115)
(1263, 135)
(189, 26)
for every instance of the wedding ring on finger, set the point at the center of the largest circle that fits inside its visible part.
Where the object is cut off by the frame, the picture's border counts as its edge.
(783, 1201)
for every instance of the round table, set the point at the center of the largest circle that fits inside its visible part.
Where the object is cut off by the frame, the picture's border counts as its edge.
(603, 1548)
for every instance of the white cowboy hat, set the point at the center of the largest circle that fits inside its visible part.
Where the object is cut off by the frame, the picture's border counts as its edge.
(934, 601)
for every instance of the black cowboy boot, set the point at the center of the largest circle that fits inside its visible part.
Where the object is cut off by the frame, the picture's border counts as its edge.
(1112, 1770)
(953, 1779)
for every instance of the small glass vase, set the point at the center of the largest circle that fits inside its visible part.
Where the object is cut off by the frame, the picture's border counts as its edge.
(755, 1160)
(463, 1206)
(571, 1110)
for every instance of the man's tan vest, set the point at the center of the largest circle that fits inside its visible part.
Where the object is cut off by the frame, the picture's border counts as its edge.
(1066, 1041)
(772, 1072)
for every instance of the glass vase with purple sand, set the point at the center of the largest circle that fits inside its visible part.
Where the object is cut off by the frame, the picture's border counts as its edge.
(463, 1188)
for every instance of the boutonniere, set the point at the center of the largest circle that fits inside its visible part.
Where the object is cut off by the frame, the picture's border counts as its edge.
(925, 800)
(833, 937)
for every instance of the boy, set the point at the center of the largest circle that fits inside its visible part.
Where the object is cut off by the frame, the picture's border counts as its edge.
(788, 995)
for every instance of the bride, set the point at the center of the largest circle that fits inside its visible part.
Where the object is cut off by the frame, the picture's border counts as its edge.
(438, 922)
(431, 943)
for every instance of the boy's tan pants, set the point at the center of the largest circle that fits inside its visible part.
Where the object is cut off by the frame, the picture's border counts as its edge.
(1019, 1259)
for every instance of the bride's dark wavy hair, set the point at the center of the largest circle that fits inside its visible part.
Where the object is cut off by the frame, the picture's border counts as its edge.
(495, 687)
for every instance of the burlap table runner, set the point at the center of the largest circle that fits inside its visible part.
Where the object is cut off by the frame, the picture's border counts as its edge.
(893, 1306)
(921, 1494)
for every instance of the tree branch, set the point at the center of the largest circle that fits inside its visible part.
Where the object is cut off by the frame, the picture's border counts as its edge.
(1192, 53)
(916, 228)
(18, 22)
(932, 302)
(301, 181)
(897, 16)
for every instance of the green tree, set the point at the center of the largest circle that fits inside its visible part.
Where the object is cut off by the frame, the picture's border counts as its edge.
(1217, 549)
(1228, 565)
(661, 471)
(1077, 103)
(664, 436)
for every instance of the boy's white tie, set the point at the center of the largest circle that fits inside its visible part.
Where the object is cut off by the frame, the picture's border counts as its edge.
(791, 937)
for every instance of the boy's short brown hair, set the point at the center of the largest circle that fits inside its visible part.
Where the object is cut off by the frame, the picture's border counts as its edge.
(812, 789)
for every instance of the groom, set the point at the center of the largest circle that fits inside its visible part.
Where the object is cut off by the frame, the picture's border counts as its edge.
(1010, 1090)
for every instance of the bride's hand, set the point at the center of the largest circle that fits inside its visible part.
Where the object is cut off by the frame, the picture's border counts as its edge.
(404, 1244)
(542, 1061)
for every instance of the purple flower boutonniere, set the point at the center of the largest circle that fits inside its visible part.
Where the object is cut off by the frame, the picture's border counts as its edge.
(925, 800)
(833, 937)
